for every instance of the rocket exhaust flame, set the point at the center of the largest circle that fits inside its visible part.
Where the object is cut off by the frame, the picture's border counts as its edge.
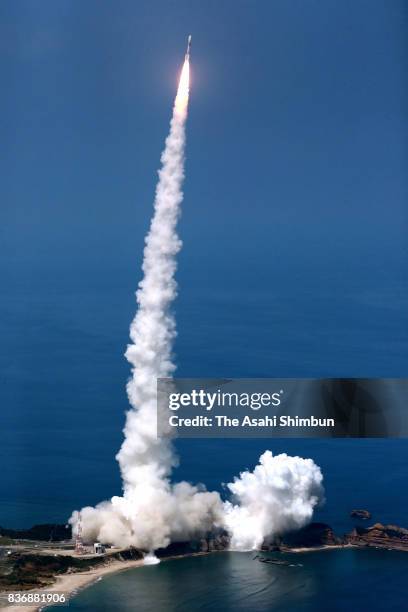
(152, 511)
(181, 102)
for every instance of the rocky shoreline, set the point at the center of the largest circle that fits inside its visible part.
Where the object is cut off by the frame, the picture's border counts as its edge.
(390, 537)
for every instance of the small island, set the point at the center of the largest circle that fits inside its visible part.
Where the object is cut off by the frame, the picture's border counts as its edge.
(361, 514)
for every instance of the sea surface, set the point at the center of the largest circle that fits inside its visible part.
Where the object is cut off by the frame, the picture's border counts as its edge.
(63, 398)
(336, 580)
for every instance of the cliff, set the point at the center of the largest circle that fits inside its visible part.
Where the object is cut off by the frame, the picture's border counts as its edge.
(380, 536)
(214, 541)
(313, 535)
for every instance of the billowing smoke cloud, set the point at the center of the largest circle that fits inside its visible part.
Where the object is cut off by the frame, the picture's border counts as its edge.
(152, 511)
(278, 496)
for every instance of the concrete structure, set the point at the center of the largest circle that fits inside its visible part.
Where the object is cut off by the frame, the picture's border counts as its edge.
(99, 549)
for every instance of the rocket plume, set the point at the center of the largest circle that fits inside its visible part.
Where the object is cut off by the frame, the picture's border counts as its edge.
(281, 492)
(152, 511)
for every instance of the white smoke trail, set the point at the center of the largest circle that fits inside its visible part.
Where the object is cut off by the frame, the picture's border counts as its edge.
(281, 492)
(143, 458)
(152, 511)
(278, 496)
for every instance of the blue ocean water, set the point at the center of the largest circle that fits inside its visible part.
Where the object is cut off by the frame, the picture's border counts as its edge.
(63, 385)
(338, 580)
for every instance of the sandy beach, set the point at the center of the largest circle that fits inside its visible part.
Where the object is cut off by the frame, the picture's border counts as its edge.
(71, 583)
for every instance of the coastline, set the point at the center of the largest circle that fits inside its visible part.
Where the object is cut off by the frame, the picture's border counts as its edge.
(71, 584)
(74, 582)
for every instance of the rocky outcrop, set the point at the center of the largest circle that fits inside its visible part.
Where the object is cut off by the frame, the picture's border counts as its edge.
(218, 542)
(312, 536)
(379, 536)
(361, 514)
(215, 541)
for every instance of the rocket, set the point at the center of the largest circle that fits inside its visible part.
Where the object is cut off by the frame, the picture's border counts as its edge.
(188, 48)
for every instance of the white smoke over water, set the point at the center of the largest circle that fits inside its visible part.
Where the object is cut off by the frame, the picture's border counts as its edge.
(281, 492)
(150, 559)
(278, 496)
